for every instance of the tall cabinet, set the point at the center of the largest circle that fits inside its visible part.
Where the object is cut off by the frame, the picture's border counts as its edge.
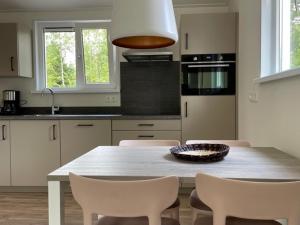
(35, 151)
(208, 118)
(208, 33)
(15, 50)
(4, 153)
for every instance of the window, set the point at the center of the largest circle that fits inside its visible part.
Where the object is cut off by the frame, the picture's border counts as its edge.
(75, 56)
(280, 31)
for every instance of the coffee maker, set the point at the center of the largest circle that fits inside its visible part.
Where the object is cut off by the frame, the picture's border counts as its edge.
(11, 102)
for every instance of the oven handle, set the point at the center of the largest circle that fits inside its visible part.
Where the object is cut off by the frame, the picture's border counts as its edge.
(208, 66)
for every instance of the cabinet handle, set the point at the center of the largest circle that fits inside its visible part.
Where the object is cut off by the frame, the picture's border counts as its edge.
(146, 136)
(54, 132)
(85, 125)
(3, 132)
(186, 109)
(186, 41)
(146, 125)
(12, 63)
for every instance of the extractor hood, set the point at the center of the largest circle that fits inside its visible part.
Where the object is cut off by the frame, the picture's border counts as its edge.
(147, 55)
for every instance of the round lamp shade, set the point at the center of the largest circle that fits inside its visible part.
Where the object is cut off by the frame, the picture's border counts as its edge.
(143, 24)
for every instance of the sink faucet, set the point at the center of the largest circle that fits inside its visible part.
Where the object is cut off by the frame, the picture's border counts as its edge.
(54, 108)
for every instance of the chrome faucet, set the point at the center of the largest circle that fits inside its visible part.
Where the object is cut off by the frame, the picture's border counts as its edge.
(54, 108)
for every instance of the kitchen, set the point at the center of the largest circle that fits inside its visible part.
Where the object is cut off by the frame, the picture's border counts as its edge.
(260, 120)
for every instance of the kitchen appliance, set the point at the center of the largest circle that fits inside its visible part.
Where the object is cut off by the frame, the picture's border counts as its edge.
(153, 55)
(11, 102)
(208, 74)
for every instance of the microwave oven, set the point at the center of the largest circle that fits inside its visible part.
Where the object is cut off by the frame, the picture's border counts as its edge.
(208, 74)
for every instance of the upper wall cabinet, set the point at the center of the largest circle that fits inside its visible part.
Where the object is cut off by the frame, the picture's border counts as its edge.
(15, 50)
(208, 33)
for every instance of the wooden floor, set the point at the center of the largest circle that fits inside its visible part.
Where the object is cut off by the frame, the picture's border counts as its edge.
(32, 209)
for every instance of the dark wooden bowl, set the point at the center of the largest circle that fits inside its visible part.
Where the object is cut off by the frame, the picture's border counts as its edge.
(218, 152)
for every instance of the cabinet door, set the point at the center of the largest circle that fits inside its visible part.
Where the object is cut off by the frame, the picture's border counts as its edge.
(8, 49)
(208, 33)
(145, 135)
(81, 136)
(4, 154)
(35, 151)
(208, 118)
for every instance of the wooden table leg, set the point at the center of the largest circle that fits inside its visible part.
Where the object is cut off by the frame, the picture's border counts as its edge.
(56, 202)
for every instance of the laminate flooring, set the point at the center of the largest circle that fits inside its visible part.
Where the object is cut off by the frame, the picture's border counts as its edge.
(32, 209)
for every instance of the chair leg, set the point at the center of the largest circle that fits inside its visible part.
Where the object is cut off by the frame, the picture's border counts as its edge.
(197, 212)
(171, 213)
(194, 215)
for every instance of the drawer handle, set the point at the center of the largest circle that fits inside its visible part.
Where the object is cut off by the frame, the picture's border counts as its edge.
(186, 109)
(54, 132)
(146, 125)
(146, 136)
(186, 41)
(85, 125)
(3, 133)
(12, 64)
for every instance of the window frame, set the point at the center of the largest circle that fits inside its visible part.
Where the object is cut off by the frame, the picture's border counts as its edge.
(273, 41)
(81, 86)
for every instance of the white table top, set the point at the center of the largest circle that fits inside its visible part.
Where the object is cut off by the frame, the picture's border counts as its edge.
(126, 163)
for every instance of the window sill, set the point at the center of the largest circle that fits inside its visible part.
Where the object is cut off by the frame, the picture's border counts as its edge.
(278, 76)
(78, 91)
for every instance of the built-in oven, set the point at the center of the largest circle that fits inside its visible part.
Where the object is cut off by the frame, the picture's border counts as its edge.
(208, 74)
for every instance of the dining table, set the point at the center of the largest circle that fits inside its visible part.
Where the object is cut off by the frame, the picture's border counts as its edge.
(259, 164)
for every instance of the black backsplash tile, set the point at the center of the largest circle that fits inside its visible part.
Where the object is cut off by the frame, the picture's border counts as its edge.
(150, 88)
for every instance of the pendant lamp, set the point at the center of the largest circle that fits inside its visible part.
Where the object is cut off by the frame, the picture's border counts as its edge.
(143, 24)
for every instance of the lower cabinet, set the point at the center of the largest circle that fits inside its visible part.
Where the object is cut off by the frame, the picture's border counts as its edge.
(145, 130)
(4, 153)
(81, 136)
(35, 151)
(145, 135)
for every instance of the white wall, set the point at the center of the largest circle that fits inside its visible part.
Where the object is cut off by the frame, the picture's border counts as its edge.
(28, 85)
(275, 119)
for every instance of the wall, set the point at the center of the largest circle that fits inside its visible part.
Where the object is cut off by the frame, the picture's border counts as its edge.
(274, 119)
(28, 85)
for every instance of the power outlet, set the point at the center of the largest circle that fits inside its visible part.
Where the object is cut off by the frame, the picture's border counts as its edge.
(110, 99)
(253, 97)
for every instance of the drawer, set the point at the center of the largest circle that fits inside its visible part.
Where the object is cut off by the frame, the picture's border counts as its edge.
(146, 125)
(145, 135)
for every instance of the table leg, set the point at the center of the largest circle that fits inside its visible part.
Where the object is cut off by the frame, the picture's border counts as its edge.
(56, 202)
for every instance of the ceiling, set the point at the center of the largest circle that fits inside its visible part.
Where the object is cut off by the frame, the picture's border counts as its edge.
(34, 5)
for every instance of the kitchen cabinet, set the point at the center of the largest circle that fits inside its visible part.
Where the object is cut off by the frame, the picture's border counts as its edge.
(4, 153)
(15, 50)
(35, 151)
(81, 136)
(210, 33)
(145, 130)
(208, 118)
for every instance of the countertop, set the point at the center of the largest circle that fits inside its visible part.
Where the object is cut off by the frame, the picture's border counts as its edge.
(89, 117)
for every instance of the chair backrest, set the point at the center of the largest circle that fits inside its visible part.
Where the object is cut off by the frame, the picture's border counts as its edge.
(231, 143)
(149, 143)
(250, 200)
(124, 198)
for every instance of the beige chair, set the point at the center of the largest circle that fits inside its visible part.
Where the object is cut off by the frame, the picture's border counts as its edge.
(198, 207)
(173, 210)
(231, 143)
(257, 203)
(125, 202)
(149, 143)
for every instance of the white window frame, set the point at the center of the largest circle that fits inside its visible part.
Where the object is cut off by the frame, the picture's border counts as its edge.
(81, 86)
(275, 42)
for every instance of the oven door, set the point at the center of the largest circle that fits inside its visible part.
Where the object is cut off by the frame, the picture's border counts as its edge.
(208, 79)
